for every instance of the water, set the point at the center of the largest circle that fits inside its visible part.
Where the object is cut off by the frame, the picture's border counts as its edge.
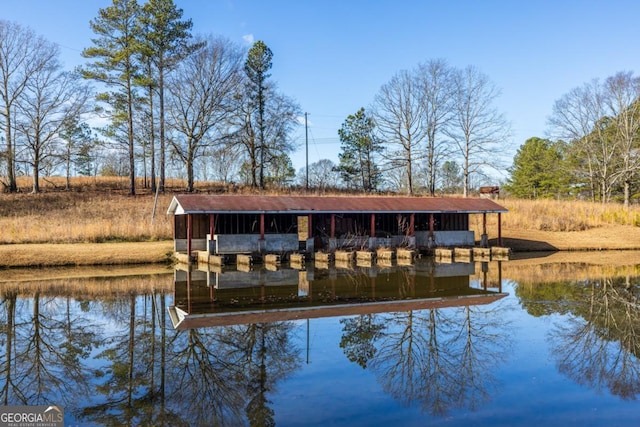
(522, 342)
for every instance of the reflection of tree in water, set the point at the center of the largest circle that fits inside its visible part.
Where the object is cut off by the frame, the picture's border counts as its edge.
(46, 340)
(598, 344)
(202, 379)
(360, 334)
(269, 357)
(218, 374)
(144, 372)
(440, 359)
(125, 381)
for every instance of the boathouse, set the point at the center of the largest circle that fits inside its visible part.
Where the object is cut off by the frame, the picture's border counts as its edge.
(261, 224)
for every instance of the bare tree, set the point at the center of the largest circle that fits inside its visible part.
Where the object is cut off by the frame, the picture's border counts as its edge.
(22, 54)
(622, 101)
(51, 97)
(400, 118)
(201, 91)
(477, 129)
(436, 80)
(277, 123)
(223, 162)
(579, 117)
(322, 175)
(280, 120)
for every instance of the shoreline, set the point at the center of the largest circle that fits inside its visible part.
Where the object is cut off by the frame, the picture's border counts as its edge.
(521, 242)
(37, 255)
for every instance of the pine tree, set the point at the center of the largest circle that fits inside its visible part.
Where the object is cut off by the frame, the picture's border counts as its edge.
(114, 54)
(166, 42)
(360, 148)
(258, 63)
(537, 170)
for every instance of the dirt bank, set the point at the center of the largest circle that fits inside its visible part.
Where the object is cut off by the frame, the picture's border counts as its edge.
(76, 254)
(612, 237)
(40, 255)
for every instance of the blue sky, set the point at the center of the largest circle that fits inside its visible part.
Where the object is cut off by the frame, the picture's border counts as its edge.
(332, 57)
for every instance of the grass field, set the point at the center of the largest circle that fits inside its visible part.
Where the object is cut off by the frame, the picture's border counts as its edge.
(98, 219)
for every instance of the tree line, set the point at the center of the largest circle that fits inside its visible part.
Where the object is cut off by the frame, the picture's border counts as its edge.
(433, 127)
(594, 148)
(151, 96)
(153, 100)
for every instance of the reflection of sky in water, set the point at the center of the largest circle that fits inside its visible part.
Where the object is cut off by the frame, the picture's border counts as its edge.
(329, 387)
(518, 370)
(333, 391)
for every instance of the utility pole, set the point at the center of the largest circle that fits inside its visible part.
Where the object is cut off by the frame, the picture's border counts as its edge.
(306, 142)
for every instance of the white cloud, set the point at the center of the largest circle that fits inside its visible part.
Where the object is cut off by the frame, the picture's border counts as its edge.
(248, 38)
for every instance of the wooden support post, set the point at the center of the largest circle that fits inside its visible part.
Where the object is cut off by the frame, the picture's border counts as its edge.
(412, 225)
(309, 227)
(372, 231)
(333, 226)
(499, 229)
(484, 223)
(484, 241)
(262, 226)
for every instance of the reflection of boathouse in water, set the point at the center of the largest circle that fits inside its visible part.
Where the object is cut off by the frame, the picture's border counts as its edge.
(219, 297)
(223, 225)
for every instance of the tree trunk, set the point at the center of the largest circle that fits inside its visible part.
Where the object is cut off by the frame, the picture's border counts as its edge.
(161, 105)
(36, 175)
(627, 193)
(132, 159)
(409, 173)
(152, 141)
(11, 186)
(190, 157)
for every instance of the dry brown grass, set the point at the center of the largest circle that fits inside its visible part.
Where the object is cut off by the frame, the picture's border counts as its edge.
(98, 210)
(95, 210)
(93, 287)
(539, 225)
(82, 217)
(95, 214)
(555, 215)
(50, 254)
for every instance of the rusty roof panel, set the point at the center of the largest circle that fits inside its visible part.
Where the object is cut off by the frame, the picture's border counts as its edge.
(197, 203)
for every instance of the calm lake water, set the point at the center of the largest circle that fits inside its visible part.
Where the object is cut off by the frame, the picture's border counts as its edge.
(548, 341)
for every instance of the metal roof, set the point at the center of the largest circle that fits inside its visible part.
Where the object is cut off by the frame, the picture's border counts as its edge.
(183, 320)
(205, 204)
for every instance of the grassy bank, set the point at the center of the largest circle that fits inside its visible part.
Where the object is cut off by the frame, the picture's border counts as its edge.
(96, 222)
(82, 217)
(76, 254)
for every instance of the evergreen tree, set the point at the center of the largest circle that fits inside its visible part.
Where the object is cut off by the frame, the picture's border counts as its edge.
(451, 177)
(166, 43)
(259, 61)
(78, 148)
(114, 64)
(360, 148)
(537, 170)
